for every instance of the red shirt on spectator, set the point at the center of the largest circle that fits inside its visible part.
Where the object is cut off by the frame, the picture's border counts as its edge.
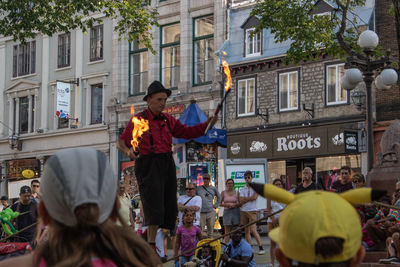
(162, 135)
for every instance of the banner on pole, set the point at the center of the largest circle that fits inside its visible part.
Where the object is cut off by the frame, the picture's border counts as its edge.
(63, 100)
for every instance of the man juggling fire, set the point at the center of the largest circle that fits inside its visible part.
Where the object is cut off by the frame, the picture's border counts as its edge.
(155, 167)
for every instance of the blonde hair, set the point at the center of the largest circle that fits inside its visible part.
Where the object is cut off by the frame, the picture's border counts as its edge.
(75, 246)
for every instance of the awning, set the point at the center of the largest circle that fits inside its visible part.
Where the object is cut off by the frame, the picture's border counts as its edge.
(194, 115)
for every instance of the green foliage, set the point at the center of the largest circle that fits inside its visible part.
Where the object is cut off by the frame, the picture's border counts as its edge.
(24, 19)
(310, 35)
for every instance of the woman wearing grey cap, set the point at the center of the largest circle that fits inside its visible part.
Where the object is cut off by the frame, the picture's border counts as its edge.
(79, 205)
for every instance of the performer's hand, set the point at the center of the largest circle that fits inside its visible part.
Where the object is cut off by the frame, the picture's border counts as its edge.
(131, 154)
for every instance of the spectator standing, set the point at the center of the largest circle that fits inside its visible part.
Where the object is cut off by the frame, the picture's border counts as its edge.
(307, 183)
(358, 180)
(248, 211)
(207, 192)
(155, 168)
(125, 211)
(80, 206)
(190, 202)
(238, 252)
(230, 202)
(28, 215)
(35, 185)
(4, 202)
(187, 236)
(344, 182)
(273, 221)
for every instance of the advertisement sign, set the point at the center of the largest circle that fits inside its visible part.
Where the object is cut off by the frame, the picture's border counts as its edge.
(236, 168)
(351, 142)
(196, 171)
(63, 100)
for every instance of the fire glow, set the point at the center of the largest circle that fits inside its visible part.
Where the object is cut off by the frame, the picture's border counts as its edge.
(140, 126)
(228, 83)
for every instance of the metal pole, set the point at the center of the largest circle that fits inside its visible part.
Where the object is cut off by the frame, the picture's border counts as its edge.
(368, 79)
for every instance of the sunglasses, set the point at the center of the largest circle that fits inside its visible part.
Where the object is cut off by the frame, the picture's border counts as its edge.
(206, 178)
(356, 181)
(188, 188)
(35, 185)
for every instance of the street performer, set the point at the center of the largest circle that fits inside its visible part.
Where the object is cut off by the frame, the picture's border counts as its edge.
(155, 168)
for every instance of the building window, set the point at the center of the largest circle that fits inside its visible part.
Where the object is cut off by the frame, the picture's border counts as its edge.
(203, 47)
(64, 50)
(170, 55)
(335, 94)
(24, 58)
(138, 70)
(246, 97)
(23, 114)
(96, 43)
(96, 109)
(253, 43)
(288, 91)
(62, 123)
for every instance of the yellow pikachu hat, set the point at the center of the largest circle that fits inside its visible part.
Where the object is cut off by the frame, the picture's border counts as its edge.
(312, 215)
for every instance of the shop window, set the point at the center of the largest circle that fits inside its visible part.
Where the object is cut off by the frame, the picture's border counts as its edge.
(138, 71)
(170, 55)
(277, 169)
(96, 110)
(24, 59)
(288, 91)
(328, 168)
(96, 43)
(246, 97)
(64, 50)
(335, 94)
(203, 47)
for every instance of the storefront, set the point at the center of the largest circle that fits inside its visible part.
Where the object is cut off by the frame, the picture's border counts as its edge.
(324, 148)
(21, 172)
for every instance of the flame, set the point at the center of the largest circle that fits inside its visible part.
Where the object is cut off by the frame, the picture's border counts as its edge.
(140, 126)
(228, 83)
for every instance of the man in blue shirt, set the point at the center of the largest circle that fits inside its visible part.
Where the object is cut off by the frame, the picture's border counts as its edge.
(238, 252)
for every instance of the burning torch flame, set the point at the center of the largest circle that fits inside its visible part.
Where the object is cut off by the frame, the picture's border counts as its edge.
(228, 83)
(140, 126)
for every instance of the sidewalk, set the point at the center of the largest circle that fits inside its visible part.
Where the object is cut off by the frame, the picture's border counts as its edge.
(261, 260)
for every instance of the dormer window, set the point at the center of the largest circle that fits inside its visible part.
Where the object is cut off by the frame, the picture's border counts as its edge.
(253, 43)
(252, 40)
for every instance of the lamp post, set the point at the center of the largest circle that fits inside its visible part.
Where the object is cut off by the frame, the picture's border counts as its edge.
(362, 67)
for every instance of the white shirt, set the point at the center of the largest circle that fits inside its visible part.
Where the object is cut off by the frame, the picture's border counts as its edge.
(195, 201)
(251, 205)
(275, 206)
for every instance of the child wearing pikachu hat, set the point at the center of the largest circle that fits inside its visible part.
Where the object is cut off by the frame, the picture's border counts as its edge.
(318, 227)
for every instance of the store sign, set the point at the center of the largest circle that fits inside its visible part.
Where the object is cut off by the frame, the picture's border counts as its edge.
(306, 141)
(23, 168)
(174, 109)
(351, 142)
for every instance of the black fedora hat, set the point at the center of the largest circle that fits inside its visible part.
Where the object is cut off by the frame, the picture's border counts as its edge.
(156, 87)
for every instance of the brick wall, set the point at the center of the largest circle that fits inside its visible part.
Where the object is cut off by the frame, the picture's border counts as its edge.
(387, 101)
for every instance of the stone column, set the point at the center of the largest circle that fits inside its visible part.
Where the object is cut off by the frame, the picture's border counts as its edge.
(88, 102)
(186, 48)
(16, 130)
(45, 84)
(78, 73)
(3, 129)
(3, 181)
(10, 115)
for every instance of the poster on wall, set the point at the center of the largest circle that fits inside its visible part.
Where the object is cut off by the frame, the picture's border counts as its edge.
(196, 171)
(235, 170)
(63, 100)
(196, 152)
(128, 176)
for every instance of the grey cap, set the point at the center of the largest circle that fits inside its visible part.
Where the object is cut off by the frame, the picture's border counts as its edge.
(76, 176)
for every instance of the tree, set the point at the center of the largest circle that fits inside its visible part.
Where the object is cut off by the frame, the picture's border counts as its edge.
(24, 19)
(311, 34)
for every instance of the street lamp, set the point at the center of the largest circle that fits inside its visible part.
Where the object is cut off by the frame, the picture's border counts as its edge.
(361, 67)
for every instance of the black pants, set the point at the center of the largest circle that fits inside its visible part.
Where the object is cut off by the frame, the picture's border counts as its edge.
(156, 176)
